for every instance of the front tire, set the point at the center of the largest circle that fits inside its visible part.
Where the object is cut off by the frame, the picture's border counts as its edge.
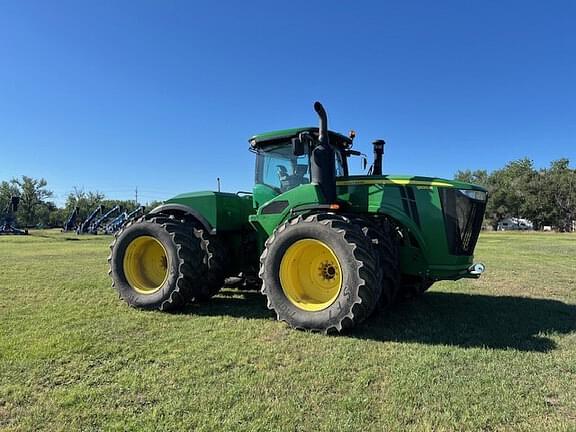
(320, 273)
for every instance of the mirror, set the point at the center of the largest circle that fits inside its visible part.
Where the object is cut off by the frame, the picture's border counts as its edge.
(297, 147)
(364, 160)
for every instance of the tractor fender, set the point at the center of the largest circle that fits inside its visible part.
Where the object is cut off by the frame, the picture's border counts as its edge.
(181, 208)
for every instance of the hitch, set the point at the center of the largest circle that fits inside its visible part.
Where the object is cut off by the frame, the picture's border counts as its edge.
(476, 269)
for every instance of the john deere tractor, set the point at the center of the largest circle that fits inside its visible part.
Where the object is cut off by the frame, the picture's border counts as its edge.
(325, 247)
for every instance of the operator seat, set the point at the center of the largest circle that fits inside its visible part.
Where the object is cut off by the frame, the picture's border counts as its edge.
(288, 181)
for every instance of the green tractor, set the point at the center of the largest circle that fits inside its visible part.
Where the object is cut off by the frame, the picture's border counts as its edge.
(325, 247)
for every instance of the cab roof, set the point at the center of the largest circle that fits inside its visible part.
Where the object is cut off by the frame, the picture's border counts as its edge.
(269, 138)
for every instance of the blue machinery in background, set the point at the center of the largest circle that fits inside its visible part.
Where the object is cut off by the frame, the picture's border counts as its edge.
(8, 220)
(124, 218)
(97, 221)
(101, 222)
(70, 224)
(85, 226)
(96, 226)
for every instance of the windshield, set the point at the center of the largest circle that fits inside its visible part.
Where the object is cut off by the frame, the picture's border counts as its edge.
(278, 168)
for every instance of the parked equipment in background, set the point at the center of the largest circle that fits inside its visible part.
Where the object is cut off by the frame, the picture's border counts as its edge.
(84, 226)
(515, 224)
(330, 248)
(98, 224)
(8, 218)
(124, 218)
(71, 222)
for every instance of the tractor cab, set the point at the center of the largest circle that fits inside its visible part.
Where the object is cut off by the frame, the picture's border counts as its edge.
(284, 160)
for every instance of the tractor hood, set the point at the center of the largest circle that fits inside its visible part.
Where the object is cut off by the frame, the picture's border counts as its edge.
(404, 180)
(420, 205)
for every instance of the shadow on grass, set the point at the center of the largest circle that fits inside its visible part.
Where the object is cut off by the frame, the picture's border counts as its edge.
(234, 303)
(438, 318)
(472, 320)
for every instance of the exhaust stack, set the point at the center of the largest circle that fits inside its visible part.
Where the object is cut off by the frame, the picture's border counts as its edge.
(378, 156)
(322, 164)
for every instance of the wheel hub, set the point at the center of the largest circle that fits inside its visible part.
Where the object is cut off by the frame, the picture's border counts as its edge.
(310, 275)
(327, 270)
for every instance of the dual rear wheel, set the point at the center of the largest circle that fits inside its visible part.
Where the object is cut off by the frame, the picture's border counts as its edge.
(164, 262)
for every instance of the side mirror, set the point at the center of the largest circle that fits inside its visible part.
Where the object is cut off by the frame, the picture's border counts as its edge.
(364, 162)
(297, 147)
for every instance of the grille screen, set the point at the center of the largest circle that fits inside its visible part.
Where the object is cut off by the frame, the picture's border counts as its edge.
(463, 220)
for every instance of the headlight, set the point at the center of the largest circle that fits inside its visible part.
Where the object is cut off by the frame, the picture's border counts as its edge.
(474, 194)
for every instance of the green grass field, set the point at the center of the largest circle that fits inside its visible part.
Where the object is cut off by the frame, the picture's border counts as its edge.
(497, 353)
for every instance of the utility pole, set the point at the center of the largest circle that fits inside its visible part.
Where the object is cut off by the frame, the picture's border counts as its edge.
(136, 192)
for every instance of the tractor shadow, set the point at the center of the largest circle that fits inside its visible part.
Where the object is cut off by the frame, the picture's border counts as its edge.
(437, 318)
(233, 303)
(473, 321)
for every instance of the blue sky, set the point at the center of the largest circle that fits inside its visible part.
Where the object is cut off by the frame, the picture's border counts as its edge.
(163, 95)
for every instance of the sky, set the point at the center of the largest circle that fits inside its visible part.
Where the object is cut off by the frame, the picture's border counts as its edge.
(164, 95)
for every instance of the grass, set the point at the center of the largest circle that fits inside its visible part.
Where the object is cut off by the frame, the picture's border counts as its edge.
(497, 353)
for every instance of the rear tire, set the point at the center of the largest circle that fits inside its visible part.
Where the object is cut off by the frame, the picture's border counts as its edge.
(382, 235)
(154, 262)
(320, 273)
(213, 260)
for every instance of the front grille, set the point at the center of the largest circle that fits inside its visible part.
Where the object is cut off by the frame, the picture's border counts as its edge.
(463, 220)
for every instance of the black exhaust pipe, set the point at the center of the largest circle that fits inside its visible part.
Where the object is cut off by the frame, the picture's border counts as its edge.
(322, 163)
(323, 127)
(378, 156)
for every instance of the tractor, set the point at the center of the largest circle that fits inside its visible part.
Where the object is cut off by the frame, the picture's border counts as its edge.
(326, 248)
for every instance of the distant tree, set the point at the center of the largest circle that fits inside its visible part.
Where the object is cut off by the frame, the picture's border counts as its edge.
(33, 197)
(510, 190)
(560, 191)
(46, 214)
(479, 177)
(546, 196)
(85, 201)
(57, 217)
(7, 191)
(152, 204)
(125, 205)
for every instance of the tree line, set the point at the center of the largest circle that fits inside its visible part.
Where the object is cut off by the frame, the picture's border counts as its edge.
(545, 196)
(37, 209)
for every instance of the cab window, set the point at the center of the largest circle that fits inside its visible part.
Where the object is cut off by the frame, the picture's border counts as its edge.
(278, 168)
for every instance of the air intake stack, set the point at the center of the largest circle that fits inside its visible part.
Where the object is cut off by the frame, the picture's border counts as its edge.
(378, 156)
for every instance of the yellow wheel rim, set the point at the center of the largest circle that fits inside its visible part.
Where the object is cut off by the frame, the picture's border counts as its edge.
(310, 275)
(146, 264)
